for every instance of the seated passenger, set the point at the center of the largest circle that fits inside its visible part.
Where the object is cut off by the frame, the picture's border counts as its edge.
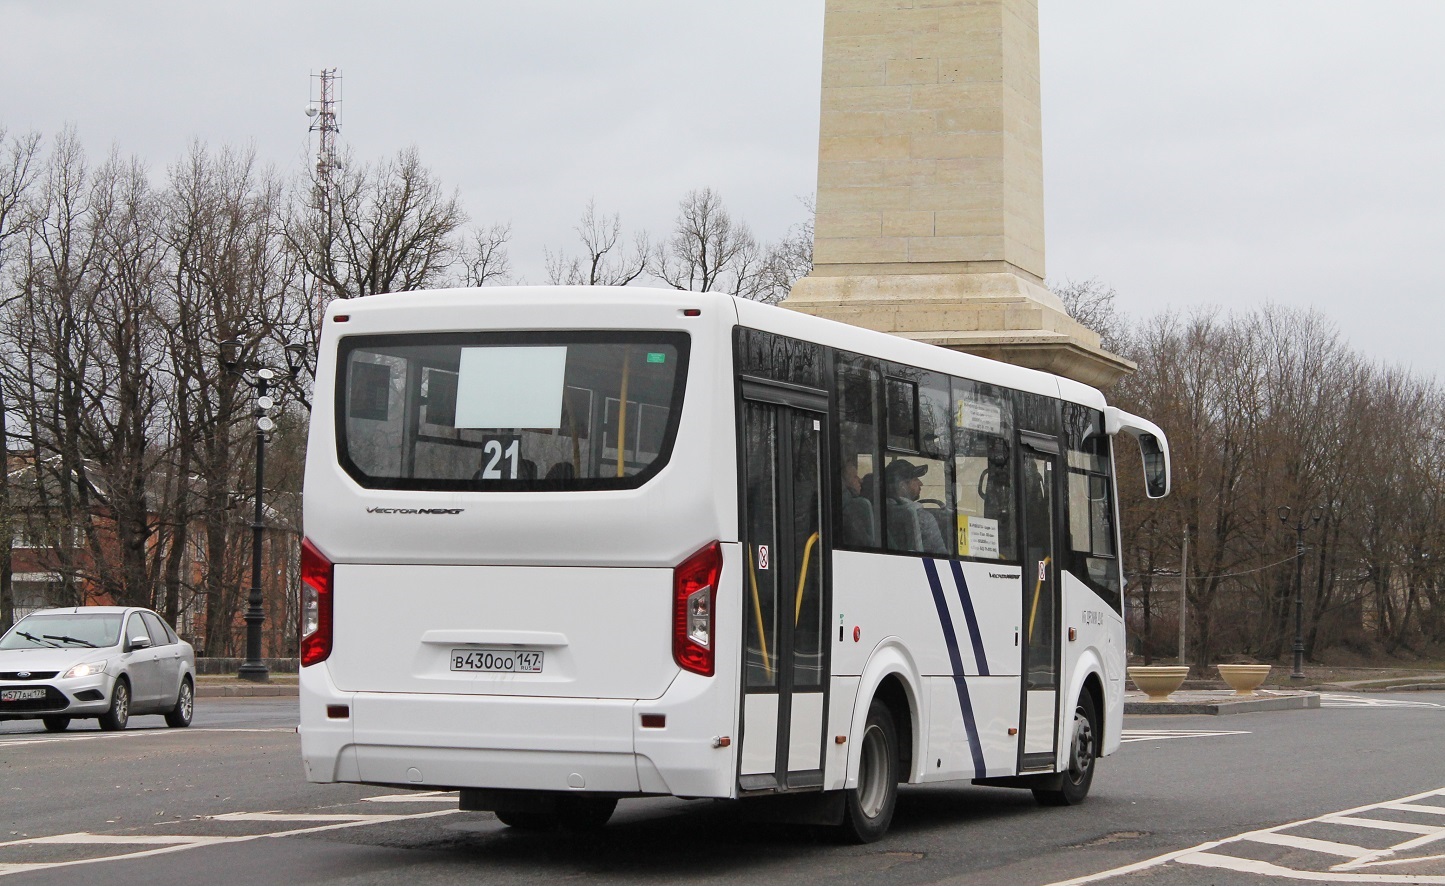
(857, 525)
(914, 529)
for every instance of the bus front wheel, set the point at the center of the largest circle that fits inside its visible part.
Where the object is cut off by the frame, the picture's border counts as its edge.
(1083, 753)
(868, 809)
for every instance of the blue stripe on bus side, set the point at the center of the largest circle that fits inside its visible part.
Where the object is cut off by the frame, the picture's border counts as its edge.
(975, 747)
(979, 655)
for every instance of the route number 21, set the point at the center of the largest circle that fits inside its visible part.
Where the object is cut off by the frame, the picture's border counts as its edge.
(500, 455)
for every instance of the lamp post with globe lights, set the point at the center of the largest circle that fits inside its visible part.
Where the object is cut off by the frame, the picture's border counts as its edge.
(1299, 553)
(262, 380)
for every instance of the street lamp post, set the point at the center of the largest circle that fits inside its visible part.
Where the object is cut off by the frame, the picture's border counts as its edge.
(262, 380)
(1299, 552)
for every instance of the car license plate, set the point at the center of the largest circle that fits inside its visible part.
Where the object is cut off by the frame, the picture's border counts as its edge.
(21, 695)
(507, 660)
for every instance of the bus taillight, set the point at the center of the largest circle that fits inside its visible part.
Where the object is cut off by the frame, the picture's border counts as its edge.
(694, 594)
(316, 576)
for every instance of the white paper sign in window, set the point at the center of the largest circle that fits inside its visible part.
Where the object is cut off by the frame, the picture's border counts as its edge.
(511, 387)
(979, 415)
(977, 537)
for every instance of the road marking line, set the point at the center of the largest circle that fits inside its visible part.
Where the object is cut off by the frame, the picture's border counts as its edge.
(135, 734)
(87, 838)
(300, 817)
(428, 798)
(1337, 873)
(1400, 861)
(1415, 808)
(1384, 824)
(1298, 842)
(1161, 735)
(1345, 700)
(16, 868)
(13, 868)
(1269, 869)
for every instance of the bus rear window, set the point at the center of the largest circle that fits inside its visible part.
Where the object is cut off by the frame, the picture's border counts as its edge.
(509, 411)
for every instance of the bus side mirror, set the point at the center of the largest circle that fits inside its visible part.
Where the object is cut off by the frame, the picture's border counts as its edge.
(1152, 443)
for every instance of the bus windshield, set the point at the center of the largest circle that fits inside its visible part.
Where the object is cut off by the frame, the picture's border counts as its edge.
(509, 411)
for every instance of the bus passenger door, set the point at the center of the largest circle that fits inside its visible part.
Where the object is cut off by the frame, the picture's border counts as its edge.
(786, 657)
(1038, 491)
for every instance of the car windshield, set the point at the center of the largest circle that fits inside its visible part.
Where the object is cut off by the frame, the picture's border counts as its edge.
(63, 630)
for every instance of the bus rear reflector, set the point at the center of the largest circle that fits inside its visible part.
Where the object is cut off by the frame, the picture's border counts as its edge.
(317, 573)
(694, 595)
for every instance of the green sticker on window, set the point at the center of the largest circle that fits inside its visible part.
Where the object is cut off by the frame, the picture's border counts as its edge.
(656, 357)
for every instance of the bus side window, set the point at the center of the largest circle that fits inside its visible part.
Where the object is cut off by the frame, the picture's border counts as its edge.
(856, 507)
(983, 430)
(918, 500)
(1092, 535)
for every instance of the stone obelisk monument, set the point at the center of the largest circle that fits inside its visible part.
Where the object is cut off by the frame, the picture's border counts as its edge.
(930, 206)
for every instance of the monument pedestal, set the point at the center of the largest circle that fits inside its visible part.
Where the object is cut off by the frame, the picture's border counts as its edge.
(930, 212)
(998, 315)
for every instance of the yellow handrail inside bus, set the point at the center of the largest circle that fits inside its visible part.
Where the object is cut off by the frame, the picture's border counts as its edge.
(622, 410)
(758, 612)
(803, 575)
(1038, 587)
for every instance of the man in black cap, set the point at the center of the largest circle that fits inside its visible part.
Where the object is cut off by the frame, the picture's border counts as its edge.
(914, 528)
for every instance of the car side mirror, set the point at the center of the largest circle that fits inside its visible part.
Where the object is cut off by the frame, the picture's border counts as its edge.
(139, 642)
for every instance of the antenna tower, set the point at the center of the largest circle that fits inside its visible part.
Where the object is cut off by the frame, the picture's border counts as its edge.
(325, 114)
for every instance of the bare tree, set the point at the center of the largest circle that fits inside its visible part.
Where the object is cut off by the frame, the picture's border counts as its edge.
(375, 229)
(1091, 302)
(709, 251)
(232, 278)
(484, 259)
(787, 260)
(606, 258)
(18, 169)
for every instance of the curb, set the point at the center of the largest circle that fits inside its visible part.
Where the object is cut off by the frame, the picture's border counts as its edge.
(247, 690)
(1213, 704)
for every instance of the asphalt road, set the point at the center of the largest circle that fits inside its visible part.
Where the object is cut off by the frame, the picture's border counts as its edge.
(224, 802)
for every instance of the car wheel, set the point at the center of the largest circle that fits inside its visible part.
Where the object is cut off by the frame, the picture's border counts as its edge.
(119, 713)
(868, 809)
(180, 716)
(56, 723)
(1083, 752)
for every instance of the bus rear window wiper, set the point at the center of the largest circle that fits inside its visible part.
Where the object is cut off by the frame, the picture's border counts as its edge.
(65, 638)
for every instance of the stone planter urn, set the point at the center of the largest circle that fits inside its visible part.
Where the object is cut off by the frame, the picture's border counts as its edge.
(1243, 678)
(1158, 681)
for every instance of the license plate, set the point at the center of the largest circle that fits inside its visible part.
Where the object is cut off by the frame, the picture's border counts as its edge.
(28, 693)
(505, 660)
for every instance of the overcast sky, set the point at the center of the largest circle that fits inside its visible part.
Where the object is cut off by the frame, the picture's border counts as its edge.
(1200, 152)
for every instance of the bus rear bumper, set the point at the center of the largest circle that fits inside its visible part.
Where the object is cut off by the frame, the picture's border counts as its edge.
(446, 741)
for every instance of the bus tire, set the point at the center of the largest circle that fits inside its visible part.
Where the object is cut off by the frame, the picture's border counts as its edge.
(526, 820)
(584, 814)
(1074, 782)
(868, 809)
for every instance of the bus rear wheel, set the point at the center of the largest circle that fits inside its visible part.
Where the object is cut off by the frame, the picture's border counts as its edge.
(1083, 753)
(868, 809)
(573, 814)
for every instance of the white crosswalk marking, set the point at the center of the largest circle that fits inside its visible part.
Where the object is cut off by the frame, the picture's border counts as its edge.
(152, 845)
(1216, 855)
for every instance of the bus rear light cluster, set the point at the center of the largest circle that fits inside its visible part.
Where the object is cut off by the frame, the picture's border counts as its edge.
(317, 573)
(694, 595)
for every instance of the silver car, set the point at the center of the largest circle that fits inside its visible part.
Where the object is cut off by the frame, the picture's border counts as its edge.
(58, 665)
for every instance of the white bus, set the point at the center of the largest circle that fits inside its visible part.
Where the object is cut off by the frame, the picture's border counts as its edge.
(570, 545)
